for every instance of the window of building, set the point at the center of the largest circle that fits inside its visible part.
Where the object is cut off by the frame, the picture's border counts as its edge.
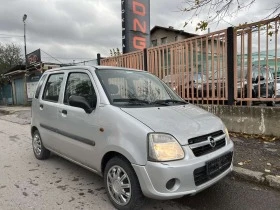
(154, 43)
(164, 40)
(52, 88)
(79, 84)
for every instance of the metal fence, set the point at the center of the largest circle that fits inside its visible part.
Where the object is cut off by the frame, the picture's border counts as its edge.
(257, 65)
(130, 60)
(234, 66)
(195, 67)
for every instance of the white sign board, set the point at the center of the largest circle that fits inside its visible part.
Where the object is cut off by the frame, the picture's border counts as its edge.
(31, 88)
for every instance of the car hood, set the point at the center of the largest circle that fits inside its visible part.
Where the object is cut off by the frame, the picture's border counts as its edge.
(183, 122)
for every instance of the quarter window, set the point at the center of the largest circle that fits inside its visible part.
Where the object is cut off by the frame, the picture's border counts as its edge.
(79, 84)
(40, 86)
(52, 89)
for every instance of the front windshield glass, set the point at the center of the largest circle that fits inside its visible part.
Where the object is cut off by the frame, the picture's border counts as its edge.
(136, 88)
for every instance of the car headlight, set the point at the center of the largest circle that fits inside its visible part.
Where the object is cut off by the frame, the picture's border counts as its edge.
(227, 135)
(164, 147)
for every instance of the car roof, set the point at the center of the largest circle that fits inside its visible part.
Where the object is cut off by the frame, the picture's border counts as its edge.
(92, 68)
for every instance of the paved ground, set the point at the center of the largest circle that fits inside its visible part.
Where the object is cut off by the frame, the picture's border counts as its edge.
(257, 154)
(27, 183)
(20, 115)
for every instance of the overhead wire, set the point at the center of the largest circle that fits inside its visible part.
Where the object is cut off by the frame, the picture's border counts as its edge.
(68, 58)
(51, 56)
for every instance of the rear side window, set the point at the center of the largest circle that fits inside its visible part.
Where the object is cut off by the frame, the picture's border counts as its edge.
(52, 88)
(79, 84)
(40, 86)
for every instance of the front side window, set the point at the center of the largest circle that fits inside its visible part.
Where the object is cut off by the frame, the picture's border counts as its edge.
(126, 88)
(52, 88)
(79, 84)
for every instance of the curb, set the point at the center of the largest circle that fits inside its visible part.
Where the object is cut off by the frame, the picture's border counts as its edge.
(257, 177)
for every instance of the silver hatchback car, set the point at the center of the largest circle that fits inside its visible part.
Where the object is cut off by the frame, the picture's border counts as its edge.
(131, 128)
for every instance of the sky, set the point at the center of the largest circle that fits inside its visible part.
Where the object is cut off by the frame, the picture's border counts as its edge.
(76, 30)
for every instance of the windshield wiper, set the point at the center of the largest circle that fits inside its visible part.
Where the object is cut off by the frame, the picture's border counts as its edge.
(167, 101)
(131, 100)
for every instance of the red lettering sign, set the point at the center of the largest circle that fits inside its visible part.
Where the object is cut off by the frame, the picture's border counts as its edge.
(139, 42)
(32, 59)
(136, 25)
(142, 27)
(139, 8)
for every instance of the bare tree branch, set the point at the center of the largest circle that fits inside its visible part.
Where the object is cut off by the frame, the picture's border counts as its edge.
(219, 9)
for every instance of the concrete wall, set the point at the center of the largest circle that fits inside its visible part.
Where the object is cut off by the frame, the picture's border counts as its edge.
(250, 120)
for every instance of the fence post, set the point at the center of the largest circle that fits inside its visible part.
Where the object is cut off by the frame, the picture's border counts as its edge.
(230, 64)
(145, 51)
(98, 59)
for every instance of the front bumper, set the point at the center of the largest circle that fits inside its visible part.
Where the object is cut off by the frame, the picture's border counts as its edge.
(154, 175)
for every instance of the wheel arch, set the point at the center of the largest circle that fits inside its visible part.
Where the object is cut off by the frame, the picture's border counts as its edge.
(33, 129)
(108, 156)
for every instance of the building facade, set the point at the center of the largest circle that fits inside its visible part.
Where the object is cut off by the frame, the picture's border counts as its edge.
(162, 35)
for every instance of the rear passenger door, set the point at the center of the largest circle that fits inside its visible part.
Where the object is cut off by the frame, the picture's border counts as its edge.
(77, 128)
(47, 110)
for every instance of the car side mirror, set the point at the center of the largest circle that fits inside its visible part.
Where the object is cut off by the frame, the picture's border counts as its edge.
(80, 102)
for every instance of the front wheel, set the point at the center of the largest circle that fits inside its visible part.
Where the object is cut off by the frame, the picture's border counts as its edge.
(122, 184)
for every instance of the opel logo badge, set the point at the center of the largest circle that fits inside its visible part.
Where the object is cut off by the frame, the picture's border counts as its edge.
(211, 141)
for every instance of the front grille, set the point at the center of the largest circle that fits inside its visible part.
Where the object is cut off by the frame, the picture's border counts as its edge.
(204, 137)
(203, 146)
(203, 150)
(212, 169)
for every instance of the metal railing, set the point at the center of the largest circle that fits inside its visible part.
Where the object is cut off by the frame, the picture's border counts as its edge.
(257, 64)
(132, 60)
(234, 66)
(195, 67)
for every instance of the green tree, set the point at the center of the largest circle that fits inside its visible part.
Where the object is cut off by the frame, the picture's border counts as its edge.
(217, 10)
(10, 56)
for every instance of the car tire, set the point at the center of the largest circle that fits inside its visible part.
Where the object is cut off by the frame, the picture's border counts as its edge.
(40, 152)
(271, 103)
(122, 185)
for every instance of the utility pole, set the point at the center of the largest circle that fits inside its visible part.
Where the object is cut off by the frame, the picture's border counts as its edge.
(24, 19)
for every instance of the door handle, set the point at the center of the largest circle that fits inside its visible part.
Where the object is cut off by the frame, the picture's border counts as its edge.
(64, 112)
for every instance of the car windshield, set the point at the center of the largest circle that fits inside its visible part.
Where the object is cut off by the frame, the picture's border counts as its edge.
(136, 88)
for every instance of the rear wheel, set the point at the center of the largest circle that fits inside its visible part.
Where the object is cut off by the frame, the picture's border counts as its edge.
(39, 150)
(122, 184)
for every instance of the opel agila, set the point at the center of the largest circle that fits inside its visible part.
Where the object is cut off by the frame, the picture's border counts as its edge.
(130, 128)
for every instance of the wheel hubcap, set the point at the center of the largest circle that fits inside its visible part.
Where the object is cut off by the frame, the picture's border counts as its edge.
(37, 145)
(119, 185)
